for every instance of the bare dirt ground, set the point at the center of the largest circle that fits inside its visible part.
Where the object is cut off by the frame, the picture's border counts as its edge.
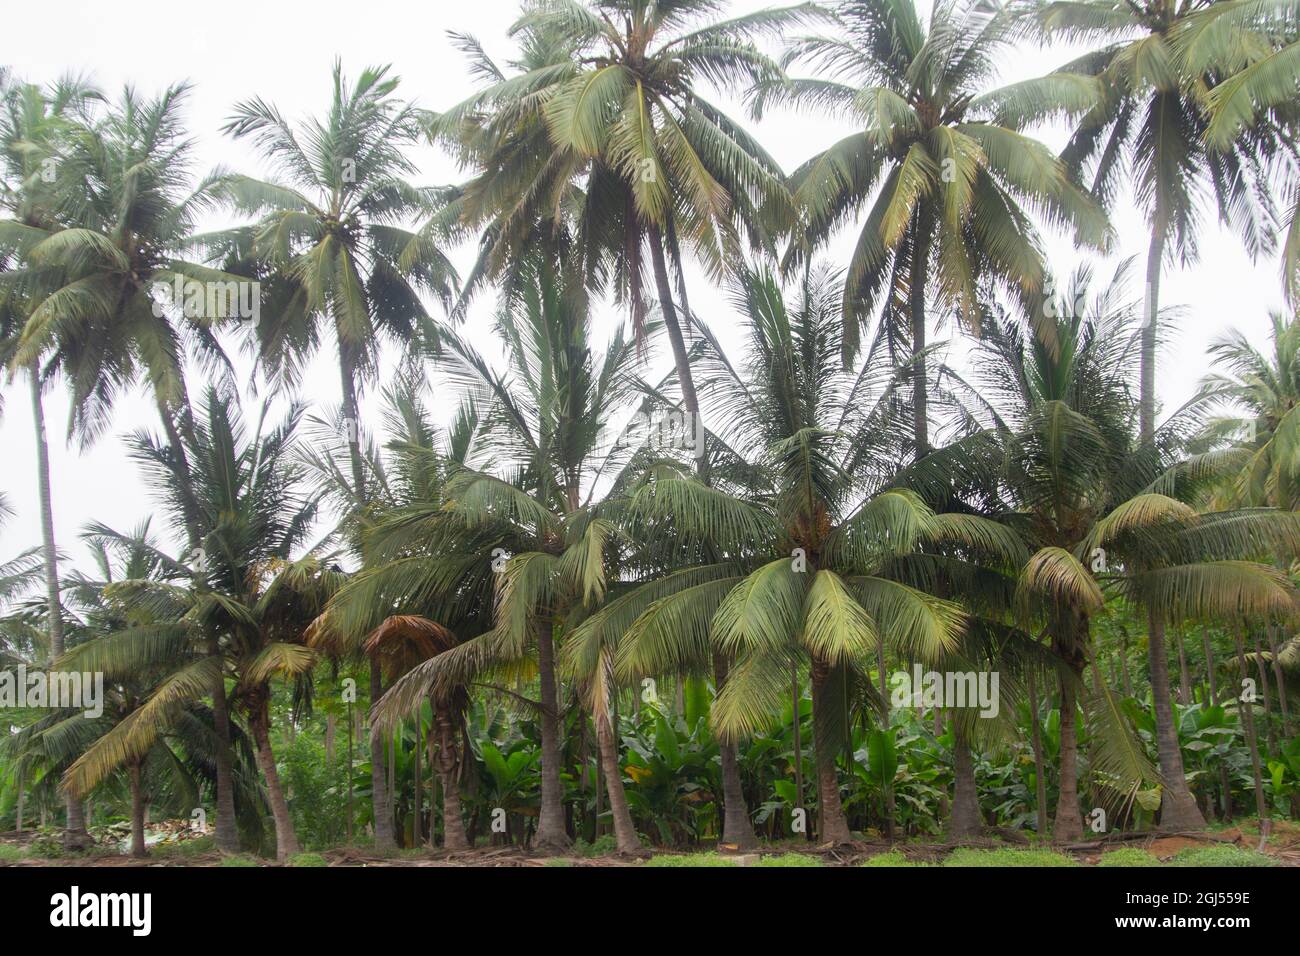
(1284, 847)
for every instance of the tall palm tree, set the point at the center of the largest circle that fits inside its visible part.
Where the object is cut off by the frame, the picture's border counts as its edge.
(336, 245)
(32, 122)
(606, 125)
(1156, 67)
(615, 89)
(944, 152)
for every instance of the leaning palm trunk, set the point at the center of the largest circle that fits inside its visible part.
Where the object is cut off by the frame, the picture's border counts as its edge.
(1178, 809)
(624, 830)
(286, 841)
(453, 824)
(137, 812)
(966, 821)
(75, 836)
(834, 827)
(551, 832)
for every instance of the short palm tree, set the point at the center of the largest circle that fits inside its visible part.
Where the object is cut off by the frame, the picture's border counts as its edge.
(1255, 397)
(534, 543)
(945, 154)
(336, 244)
(798, 561)
(243, 609)
(421, 459)
(1101, 512)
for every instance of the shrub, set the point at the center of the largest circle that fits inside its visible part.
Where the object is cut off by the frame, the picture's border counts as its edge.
(308, 860)
(243, 860)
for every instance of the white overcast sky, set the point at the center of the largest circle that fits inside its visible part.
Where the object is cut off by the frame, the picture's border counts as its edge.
(283, 52)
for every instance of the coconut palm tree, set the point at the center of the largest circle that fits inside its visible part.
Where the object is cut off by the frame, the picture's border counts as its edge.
(1103, 513)
(531, 540)
(605, 126)
(1252, 51)
(615, 89)
(174, 769)
(1252, 409)
(944, 152)
(1157, 64)
(32, 123)
(421, 459)
(335, 245)
(801, 556)
(245, 594)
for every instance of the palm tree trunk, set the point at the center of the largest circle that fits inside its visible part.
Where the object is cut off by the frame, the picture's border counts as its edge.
(417, 784)
(453, 823)
(624, 829)
(1271, 732)
(680, 356)
(916, 306)
(352, 733)
(551, 832)
(834, 827)
(1209, 664)
(227, 836)
(286, 841)
(75, 836)
(1178, 809)
(382, 809)
(21, 808)
(1247, 712)
(1280, 677)
(796, 698)
(886, 785)
(137, 812)
(966, 821)
(1068, 827)
(1225, 782)
(54, 606)
(1147, 384)
(737, 830)
(1036, 738)
(1184, 676)
(736, 826)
